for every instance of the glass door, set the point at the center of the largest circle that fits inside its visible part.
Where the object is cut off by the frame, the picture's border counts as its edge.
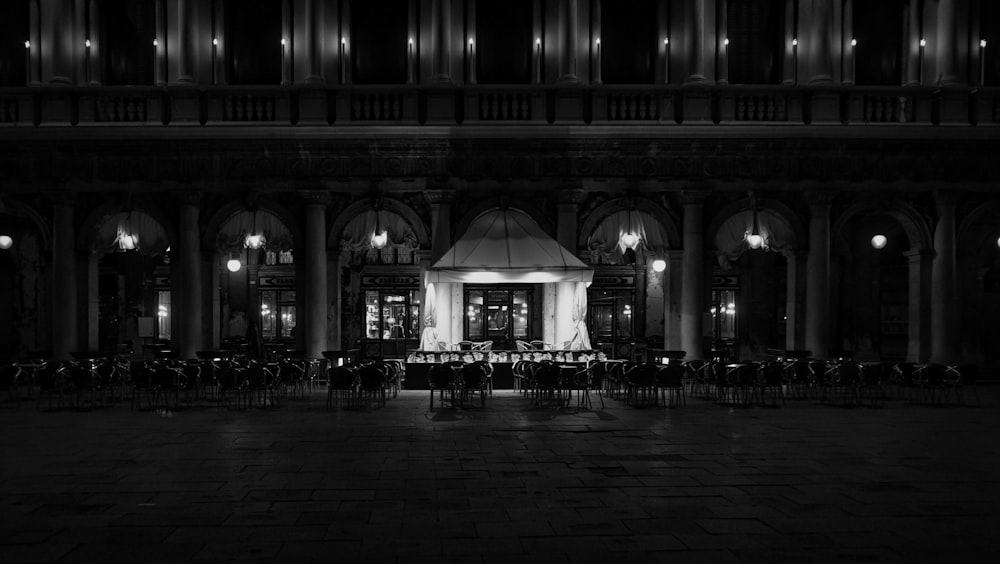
(500, 315)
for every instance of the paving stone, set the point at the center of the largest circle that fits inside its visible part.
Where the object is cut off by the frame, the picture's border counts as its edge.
(505, 483)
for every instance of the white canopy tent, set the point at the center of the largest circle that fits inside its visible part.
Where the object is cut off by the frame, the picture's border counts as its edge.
(508, 246)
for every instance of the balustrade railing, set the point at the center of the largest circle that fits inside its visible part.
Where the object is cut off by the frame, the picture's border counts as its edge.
(634, 104)
(651, 105)
(506, 104)
(10, 108)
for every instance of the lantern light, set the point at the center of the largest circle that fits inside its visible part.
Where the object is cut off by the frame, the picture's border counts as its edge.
(233, 265)
(659, 265)
(6, 242)
(879, 241)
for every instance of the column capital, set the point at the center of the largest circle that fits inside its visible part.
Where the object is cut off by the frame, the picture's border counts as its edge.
(188, 197)
(571, 196)
(819, 197)
(64, 199)
(439, 196)
(314, 197)
(919, 255)
(692, 198)
(947, 198)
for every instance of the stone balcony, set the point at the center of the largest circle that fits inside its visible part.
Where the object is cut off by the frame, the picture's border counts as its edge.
(649, 105)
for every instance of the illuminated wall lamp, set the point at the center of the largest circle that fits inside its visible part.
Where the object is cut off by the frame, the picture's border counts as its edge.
(6, 242)
(659, 265)
(233, 265)
(879, 241)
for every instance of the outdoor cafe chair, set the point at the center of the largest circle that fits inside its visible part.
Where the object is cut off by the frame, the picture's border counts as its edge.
(670, 384)
(960, 378)
(441, 378)
(372, 383)
(9, 375)
(640, 383)
(548, 385)
(474, 379)
(341, 386)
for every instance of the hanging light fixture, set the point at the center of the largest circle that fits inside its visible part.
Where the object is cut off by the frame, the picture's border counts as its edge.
(379, 236)
(879, 241)
(253, 239)
(754, 239)
(630, 239)
(6, 242)
(127, 238)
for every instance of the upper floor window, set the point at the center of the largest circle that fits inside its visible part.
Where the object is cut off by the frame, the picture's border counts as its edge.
(989, 30)
(253, 41)
(503, 36)
(628, 41)
(755, 32)
(878, 29)
(127, 29)
(378, 41)
(13, 34)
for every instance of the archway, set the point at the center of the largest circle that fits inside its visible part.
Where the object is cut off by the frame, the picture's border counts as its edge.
(978, 244)
(756, 290)
(24, 250)
(880, 306)
(633, 300)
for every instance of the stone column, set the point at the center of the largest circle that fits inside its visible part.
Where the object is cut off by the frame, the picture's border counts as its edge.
(210, 285)
(92, 330)
(314, 271)
(567, 40)
(952, 53)
(187, 303)
(692, 278)
(918, 311)
(696, 42)
(64, 289)
(61, 46)
(595, 26)
(440, 201)
(819, 16)
(945, 332)
(790, 299)
(313, 40)
(184, 48)
(566, 222)
(672, 300)
(913, 72)
(441, 41)
(818, 275)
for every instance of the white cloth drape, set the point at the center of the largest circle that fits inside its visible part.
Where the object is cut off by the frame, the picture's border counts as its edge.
(233, 233)
(429, 335)
(605, 243)
(581, 337)
(150, 237)
(731, 239)
(358, 232)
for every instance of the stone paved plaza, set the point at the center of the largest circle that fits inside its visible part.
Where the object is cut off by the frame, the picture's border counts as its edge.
(510, 482)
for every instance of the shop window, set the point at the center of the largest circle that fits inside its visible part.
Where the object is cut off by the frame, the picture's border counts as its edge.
(163, 315)
(127, 31)
(724, 322)
(611, 314)
(501, 315)
(878, 29)
(755, 29)
(253, 41)
(13, 34)
(392, 314)
(277, 315)
(628, 41)
(378, 41)
(504, 42)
